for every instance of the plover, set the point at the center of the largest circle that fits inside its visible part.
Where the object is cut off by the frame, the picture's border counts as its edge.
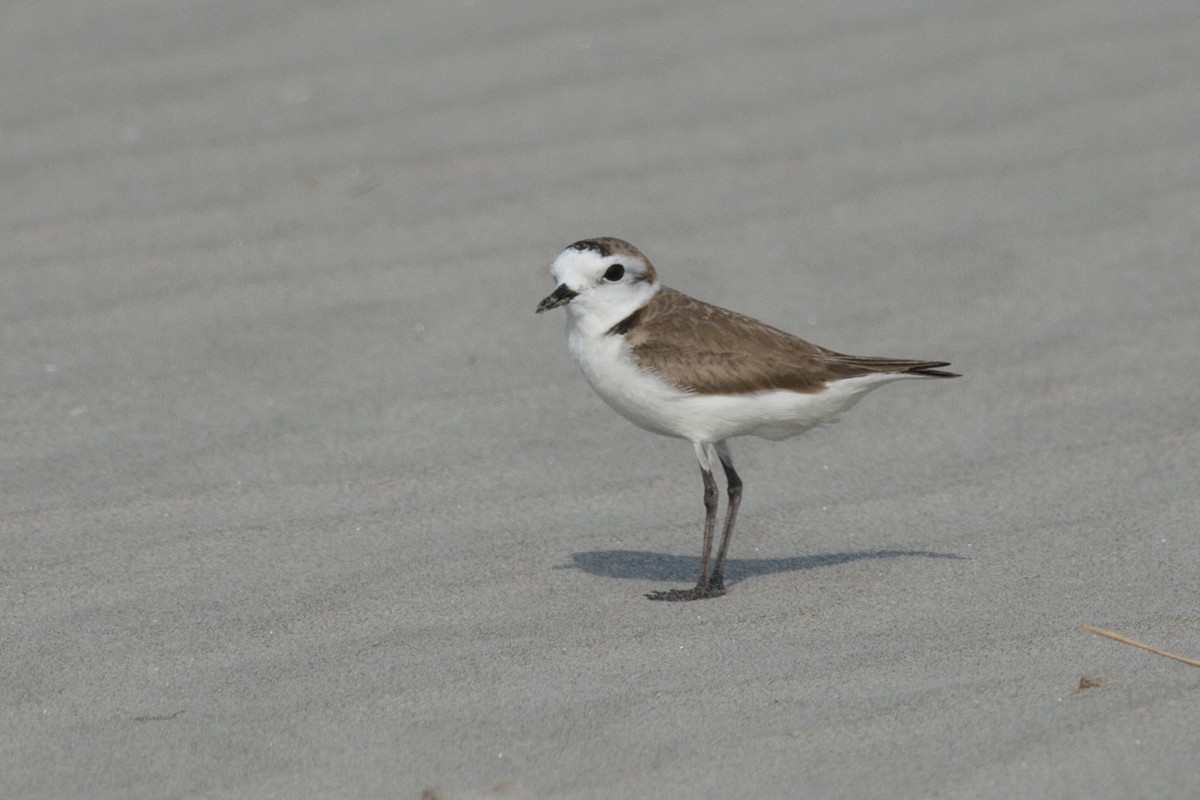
(681, 367)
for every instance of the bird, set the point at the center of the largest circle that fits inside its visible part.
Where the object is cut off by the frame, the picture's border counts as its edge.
(687, 369)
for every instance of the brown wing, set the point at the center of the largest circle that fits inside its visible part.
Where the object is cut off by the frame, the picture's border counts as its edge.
(710, 350)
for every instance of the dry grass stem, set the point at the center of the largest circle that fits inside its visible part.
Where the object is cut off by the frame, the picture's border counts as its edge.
(1116, 637)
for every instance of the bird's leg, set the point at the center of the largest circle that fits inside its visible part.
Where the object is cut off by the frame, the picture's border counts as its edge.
(703, 587)
(717, 582)
(710, 522)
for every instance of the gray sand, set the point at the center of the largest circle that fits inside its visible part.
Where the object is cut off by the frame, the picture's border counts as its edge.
(300, 499)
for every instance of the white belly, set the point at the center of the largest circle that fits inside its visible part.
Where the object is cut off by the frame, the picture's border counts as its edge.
(651, 403)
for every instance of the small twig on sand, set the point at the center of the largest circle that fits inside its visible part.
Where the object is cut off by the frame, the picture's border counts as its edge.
(1116, 637)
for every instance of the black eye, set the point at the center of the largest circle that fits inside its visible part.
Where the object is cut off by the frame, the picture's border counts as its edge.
(614, 273)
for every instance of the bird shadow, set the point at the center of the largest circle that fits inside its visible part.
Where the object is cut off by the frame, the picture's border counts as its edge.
(641, 565)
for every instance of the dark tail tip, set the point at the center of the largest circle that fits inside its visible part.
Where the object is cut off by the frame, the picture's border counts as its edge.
(931, 370)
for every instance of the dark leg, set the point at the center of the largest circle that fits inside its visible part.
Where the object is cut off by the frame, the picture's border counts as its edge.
(703, 587)
(717, 582)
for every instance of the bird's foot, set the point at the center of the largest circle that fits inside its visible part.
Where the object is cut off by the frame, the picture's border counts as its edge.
(695, 593)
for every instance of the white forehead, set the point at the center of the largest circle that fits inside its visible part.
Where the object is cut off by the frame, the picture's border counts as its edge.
(575, 266)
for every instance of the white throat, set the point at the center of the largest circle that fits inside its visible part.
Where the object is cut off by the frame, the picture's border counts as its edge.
(593, 314)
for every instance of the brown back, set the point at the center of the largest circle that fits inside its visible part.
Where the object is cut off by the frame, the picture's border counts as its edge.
(710, 350)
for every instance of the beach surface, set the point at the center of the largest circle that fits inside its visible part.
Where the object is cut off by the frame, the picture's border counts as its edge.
(300, 499)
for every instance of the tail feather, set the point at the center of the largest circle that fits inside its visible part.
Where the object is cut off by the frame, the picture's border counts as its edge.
(930, 371)
(865, 365)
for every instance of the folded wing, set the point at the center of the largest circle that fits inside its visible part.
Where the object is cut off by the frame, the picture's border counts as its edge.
(710, 350)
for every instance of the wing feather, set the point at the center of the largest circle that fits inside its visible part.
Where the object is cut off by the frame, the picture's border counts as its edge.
(707, 349)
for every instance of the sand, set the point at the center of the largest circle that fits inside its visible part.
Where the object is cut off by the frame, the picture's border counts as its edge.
(300, 499)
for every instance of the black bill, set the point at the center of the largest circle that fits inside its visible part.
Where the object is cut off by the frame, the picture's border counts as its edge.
(559, 297)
